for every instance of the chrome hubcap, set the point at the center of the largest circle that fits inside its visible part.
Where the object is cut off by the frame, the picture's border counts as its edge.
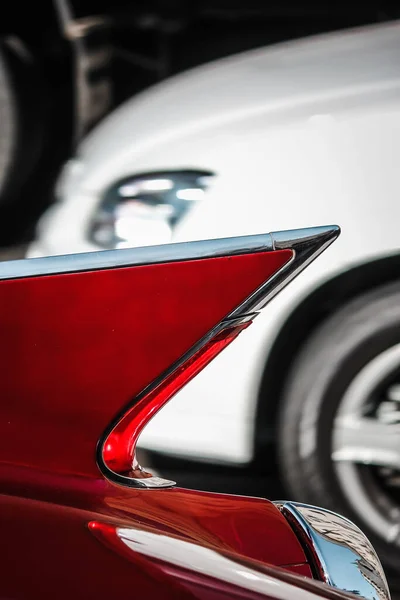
(366, 431)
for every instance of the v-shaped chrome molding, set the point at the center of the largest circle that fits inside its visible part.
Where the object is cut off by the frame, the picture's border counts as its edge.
(305, 244)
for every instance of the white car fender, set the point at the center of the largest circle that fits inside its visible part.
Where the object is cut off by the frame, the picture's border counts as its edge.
(292, 143)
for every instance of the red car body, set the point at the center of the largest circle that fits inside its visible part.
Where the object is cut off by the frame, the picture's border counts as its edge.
(93, 346)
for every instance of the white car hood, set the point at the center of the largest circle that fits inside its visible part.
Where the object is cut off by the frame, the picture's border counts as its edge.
(319, 69)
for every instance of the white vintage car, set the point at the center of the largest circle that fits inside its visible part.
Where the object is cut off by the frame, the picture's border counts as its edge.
(273, 139)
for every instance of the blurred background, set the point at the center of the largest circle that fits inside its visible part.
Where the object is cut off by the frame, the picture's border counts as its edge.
(134, 123)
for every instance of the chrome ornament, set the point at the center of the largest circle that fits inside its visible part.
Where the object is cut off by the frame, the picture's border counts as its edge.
(340, 553)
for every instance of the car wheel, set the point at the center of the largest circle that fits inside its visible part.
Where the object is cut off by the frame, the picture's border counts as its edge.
(339, 427)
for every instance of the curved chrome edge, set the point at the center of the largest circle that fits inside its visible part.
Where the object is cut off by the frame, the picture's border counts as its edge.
(306, 245)
(128, 257)
(158, 482)
(339, 551)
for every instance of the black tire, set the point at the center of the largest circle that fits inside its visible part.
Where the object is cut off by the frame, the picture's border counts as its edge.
(325, 367)
(8, 128)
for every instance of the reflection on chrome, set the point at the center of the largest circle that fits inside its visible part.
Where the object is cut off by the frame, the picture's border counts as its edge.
(142, 210)
(340, 552)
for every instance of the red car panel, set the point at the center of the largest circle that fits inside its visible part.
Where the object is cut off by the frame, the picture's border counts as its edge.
(87, 361)
(81, 346)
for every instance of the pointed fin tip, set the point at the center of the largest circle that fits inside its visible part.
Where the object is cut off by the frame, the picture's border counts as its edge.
(314, 236)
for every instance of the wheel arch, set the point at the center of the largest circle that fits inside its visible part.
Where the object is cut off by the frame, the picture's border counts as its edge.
(298, 327)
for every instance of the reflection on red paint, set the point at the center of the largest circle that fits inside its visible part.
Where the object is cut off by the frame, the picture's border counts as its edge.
(119, 448)
(203, 565)
(78, 347)
(81, 346)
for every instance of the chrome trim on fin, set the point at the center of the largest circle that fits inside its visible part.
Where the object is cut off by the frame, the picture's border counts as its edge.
(339, 551)
(129, 257)
(306, 245)
(151, 482)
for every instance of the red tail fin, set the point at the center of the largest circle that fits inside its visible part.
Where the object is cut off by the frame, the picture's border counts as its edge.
(85, 336)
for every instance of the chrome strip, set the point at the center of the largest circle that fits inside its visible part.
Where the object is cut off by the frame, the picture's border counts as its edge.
(339, 550)
(306, 244)
(158, 482)
(112, 259)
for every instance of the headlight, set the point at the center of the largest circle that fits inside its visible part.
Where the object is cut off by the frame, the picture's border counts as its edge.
(143, 209)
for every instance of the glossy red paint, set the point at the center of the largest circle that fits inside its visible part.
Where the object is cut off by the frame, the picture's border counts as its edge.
(184, 559)
(251, 527)
(119, 447)
(50, 526)
(302, 569)
(79, 348)
(214, 518)
(52, 553)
